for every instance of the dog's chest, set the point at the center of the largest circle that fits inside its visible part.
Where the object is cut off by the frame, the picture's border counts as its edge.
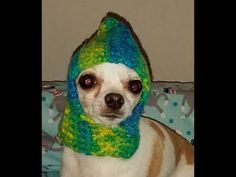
(105, 167)
(93, 166)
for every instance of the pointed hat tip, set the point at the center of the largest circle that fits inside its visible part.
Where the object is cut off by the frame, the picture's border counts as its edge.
(112, 20)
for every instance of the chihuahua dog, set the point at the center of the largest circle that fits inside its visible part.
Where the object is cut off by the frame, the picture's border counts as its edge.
(108, 93)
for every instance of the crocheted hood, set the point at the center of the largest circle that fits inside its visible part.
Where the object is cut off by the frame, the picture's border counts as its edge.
(113, 42)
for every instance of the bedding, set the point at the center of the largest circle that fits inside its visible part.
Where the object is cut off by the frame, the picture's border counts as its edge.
(171, 103)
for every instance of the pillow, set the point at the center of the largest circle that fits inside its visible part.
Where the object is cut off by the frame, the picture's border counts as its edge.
(176, 110)
(53, 103)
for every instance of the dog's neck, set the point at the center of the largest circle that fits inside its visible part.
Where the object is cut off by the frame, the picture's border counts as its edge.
(80, 133)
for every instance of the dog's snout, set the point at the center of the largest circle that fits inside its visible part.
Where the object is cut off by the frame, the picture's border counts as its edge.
(114, 100)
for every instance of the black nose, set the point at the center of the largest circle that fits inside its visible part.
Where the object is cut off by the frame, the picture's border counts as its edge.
(114, 100)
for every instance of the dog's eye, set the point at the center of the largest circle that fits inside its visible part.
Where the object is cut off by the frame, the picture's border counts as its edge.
(87, 81)
(135, 86)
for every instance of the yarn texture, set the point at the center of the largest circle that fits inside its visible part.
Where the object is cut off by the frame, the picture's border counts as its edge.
(112, 43)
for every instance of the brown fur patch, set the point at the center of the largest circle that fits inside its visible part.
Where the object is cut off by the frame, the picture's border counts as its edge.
(181, 146)
(157, 130)
(157, 153)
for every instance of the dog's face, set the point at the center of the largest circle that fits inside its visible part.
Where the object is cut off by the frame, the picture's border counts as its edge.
(109, 92)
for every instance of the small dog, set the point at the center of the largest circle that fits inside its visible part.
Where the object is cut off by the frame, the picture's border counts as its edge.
(108, 93)
(102, 128)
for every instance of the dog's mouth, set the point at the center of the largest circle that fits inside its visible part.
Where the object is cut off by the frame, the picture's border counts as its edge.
(112, 116)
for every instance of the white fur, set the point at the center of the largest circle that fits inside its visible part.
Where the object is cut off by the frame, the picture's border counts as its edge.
(113, 78)
(183, 169)
(169, 156)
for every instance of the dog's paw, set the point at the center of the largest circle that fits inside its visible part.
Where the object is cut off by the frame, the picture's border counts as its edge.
(50, 120)
(163, 115)
(182, 108)
(166, 102)
(50, 111)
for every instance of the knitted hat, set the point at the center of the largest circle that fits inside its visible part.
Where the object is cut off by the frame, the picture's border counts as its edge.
(113, 42)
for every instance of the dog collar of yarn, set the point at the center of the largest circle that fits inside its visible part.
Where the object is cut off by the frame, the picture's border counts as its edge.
(112, 43)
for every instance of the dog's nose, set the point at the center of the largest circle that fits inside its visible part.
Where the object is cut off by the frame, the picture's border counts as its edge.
(114, 100)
